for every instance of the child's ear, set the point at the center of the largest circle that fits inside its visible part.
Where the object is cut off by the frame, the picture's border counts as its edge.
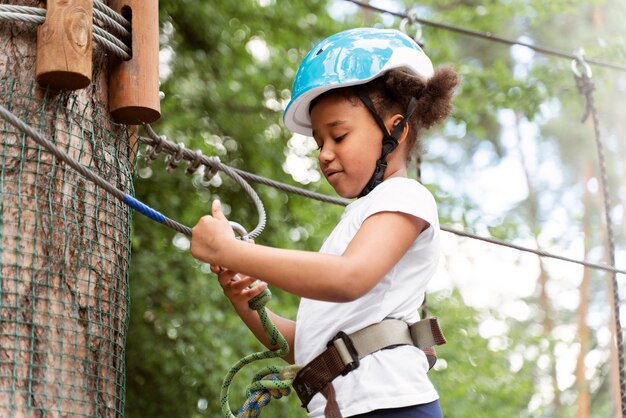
(395, 120)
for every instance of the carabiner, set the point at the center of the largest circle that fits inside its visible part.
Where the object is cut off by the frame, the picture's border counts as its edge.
(579, 60)
(411, 19)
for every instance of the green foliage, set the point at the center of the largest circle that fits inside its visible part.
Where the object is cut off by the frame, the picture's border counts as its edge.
(473, 376)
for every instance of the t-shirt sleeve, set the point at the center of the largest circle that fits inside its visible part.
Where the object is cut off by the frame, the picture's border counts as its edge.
(406, 196)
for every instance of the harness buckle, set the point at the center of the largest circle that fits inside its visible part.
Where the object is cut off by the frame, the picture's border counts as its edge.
(348, 353)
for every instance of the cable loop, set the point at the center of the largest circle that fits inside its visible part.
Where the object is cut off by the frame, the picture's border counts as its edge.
(239, 230)
(173, 160)
(410, 26)
(579, 61)
(211, 170)
(153, 151)
(584, 83)
(194, 164)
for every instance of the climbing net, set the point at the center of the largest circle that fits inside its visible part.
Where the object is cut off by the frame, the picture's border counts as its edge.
(63, 308)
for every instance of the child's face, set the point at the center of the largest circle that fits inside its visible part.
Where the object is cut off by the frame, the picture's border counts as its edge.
(350, 143)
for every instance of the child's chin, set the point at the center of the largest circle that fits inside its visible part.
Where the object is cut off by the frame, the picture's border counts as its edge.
(347, 195)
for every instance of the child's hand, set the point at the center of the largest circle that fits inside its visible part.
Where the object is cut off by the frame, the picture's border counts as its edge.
(210, 235)
(236, 287)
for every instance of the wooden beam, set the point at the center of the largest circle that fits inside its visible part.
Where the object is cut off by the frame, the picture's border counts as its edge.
(64, 45)
(134, 84)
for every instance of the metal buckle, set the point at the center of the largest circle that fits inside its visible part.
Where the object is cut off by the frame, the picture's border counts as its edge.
(351, 350)
(304, 391)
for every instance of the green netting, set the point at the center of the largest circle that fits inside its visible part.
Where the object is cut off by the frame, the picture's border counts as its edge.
(64, 258)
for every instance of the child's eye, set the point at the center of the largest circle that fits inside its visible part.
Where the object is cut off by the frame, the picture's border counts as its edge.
(340, 138)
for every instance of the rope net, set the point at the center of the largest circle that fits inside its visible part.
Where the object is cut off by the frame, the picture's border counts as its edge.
(64, 259)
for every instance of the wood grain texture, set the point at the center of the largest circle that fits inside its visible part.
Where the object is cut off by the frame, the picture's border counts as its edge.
(64, 45)
(134, 84)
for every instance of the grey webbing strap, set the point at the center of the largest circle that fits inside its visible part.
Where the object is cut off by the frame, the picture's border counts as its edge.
(345, 351)
(375, 337)
(427, 333)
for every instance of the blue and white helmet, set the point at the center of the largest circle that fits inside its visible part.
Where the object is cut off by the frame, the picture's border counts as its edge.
(348, 58)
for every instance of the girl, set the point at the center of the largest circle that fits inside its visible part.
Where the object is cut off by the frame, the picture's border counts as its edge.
(364, 95)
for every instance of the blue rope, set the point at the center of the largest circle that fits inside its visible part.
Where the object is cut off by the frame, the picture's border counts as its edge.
(144, 209)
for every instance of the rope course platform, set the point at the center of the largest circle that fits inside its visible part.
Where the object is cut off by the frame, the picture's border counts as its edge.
(65, 216)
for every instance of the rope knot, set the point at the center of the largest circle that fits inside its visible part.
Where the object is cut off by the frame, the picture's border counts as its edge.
(258, 302)
(273, 385)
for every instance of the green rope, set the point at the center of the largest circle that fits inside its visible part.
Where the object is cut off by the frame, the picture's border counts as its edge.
(271, 381)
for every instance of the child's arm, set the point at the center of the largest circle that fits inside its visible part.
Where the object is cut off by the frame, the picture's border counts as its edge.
(237, 290)
(378, 245)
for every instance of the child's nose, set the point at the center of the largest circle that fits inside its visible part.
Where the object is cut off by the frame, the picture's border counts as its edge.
(326, 153)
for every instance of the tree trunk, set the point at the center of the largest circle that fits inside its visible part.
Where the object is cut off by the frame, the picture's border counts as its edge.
(583, 401)
(64, 244)
(542, 283)
(614, 366)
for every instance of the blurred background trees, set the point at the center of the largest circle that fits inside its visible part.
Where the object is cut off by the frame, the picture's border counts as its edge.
(514, 162)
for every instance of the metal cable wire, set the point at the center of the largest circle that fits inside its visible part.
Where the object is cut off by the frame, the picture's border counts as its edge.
(28, 10)
(22, 17)
(37, 15)
(585, 86)
(126, 198)
(100, 6)
(487, 36)
(214, 163)
(33, 15)
(111, 23)
(121, 49)
(92, 176)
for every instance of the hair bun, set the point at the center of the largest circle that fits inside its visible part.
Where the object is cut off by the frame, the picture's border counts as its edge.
(435, 104)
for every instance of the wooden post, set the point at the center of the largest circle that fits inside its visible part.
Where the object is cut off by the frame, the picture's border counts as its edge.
(134, 84)
(64, 45)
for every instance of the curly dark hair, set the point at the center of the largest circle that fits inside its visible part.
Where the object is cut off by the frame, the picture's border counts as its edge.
(391, 92)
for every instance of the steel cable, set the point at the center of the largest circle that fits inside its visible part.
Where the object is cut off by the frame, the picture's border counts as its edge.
(37, 16)
(171, 148)
(487, 36)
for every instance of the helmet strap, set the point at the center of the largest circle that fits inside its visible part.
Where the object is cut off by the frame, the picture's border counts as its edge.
(390, 140)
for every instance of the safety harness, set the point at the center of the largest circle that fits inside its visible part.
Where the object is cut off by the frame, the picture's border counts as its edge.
(344, 352)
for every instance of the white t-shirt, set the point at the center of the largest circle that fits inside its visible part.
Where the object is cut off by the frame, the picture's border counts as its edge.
(390, 378)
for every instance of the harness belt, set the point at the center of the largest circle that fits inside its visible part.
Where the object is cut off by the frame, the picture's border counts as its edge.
(344, 352)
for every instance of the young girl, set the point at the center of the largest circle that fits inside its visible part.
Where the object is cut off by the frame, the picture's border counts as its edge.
(364, 95)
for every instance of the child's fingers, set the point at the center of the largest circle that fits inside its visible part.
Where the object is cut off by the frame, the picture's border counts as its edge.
(216, 210)
(254, 291)
(225, 277)
(242, 283)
